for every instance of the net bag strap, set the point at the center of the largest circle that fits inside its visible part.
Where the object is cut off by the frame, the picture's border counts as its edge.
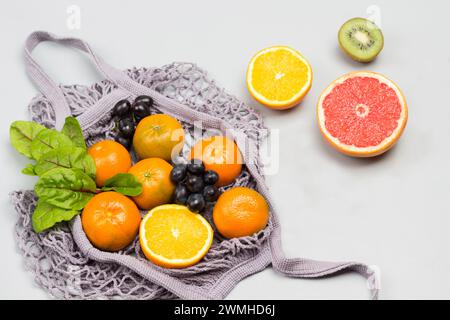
(126, 86)
(306, 268)
(46, 85)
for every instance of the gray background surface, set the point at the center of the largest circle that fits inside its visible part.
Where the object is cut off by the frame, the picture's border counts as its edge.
(392, 211)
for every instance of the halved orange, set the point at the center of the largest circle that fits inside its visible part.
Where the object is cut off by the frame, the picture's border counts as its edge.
(362, 114)
(172, 236)
(279, 77)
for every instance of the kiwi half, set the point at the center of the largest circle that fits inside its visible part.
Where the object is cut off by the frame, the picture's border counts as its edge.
(361, 39)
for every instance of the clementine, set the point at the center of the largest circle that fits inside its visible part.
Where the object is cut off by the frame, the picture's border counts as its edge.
(110, 158)
(158, 136)
(110, 221)
(221, 155)
(240, 212)
(157, 188)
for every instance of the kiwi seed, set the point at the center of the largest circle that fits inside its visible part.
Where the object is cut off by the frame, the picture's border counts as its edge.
(361, 39)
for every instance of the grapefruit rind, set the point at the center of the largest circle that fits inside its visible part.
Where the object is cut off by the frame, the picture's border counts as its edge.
(277, 104)
(353, 150)
(173, 263)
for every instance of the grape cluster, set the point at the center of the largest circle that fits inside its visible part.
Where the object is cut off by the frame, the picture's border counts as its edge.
(194, 185)
(127, 115)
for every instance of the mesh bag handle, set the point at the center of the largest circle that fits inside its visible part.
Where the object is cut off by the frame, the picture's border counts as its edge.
(270, 254)
(125, 84)
(301, 267)
(45, 84)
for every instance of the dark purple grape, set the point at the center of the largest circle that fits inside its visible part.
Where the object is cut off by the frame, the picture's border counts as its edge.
(180, 194)
(145, 99)
(210, 177)
(122, 108)
(210, 193)
(196, 167)
(126, 142)
(140, 110)
(194, 183)
(195, 202)
(178, 173)
(126, 127)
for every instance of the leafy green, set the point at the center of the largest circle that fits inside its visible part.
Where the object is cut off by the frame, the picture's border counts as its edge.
(72, 129)
(48, 140)
(66, 157)
(22, 133)
(66, 171)
(46, 216)
(65, 188)
(29, 170)
(124, 183)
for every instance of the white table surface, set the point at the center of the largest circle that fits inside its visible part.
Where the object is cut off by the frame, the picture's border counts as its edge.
(392, 211)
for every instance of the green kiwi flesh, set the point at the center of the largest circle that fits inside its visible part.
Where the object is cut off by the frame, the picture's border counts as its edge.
(361, 39)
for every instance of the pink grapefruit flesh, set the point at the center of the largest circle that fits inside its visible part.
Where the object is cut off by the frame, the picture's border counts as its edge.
(362, 114)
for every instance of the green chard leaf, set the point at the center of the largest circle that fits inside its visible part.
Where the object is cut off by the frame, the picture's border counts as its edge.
(66, 170)
(73, 130)
(123, 183)
(66, 157)
(29, 170)
(22, 133)
(46, 216)
(48, 140)
(65, 188)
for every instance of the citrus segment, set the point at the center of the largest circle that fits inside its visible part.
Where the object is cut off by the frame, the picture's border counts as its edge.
(171, 236)
(362, 114)
(279, 77)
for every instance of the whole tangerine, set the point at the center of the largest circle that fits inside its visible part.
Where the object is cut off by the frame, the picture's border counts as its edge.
(110, 158)
(110, 221)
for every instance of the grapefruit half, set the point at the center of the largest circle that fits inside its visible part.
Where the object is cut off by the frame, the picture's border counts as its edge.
(362, 114)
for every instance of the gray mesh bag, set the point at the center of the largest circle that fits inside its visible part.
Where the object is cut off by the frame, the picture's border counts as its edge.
(63, 260)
